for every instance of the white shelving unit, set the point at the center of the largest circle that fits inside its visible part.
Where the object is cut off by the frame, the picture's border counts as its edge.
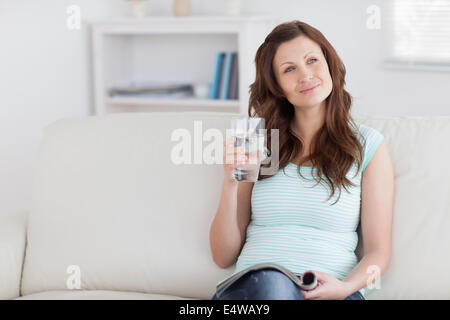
(173, 49)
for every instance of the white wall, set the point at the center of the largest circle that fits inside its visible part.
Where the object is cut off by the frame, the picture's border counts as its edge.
(44, 76)
(45, 73)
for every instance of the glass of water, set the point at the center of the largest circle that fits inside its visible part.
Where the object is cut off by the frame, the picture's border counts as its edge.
(250, 134)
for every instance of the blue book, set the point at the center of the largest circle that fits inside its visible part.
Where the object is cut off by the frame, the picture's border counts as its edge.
(225, 83)
(215, 86)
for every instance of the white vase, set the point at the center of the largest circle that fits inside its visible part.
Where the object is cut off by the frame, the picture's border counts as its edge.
(232, 7)
(182, 8)
(138, 8)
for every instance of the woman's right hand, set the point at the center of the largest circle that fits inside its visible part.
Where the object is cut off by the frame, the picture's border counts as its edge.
(233, 157)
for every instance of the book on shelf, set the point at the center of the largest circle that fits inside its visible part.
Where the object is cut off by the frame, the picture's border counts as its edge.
(226, 72)
(159, 96)
(225, 82)
(234, 78)
(215, 85)
(152, 90)
(224, 87)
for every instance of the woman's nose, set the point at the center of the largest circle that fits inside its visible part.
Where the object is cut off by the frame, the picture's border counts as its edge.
(304, 78)
(304, 75)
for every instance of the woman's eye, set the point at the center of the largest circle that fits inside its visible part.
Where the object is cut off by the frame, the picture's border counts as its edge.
(288, 69)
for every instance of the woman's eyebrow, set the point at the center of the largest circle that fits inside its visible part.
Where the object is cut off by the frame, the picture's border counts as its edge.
(303, 58)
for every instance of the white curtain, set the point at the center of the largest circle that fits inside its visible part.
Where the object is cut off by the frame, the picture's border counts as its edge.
(418, 32)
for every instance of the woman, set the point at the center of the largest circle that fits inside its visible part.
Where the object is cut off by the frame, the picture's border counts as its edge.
(286, 218)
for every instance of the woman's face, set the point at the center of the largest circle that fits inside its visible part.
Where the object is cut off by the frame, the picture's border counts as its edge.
(299, 64)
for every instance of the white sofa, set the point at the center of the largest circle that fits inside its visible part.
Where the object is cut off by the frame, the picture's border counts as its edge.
(113, 212)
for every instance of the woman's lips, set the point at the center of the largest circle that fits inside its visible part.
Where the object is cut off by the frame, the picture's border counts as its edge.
(310, 89)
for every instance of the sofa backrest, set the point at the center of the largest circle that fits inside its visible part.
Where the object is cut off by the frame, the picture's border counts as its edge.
(108, 201)
(420, 260)
(110, 206)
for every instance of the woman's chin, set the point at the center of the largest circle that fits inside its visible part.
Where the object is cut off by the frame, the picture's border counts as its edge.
(313, 103)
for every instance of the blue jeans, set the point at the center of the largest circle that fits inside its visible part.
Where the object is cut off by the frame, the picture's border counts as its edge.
(267, 284)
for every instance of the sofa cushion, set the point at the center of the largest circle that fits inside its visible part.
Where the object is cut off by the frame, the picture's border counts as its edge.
(95, 295)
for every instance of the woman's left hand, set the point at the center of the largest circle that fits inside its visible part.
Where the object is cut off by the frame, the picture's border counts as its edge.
(328, 288)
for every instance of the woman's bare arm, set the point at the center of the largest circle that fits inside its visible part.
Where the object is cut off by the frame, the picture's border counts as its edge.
(376, 219)
(228, 230)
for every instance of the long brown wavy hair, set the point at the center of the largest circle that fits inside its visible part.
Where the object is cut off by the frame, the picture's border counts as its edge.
(335, 147)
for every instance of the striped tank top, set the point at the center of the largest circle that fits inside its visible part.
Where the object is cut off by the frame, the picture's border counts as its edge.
(294, 225)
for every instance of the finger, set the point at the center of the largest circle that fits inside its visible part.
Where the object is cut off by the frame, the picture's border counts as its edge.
(236, 150)
(257, 158)
(231, 157)
(234, 155)
(311, 294)
(229, 141)
(304, 294)
(237, 164)
(255, 154)
(321, 276)
(307, 294)
(231, 148)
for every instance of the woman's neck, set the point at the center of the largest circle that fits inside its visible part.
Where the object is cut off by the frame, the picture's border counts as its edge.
(307, 122)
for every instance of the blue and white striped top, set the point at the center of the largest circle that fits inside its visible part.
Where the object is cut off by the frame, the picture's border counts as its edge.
(292, 223)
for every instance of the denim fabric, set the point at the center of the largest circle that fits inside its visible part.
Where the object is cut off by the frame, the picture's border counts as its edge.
(267, 284)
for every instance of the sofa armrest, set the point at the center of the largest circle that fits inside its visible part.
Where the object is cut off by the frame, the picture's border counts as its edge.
(12, 251)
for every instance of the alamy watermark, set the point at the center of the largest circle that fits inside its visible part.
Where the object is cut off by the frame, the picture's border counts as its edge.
(213, 152)
(73, 21)
(74, 279)
(374, 19)
(373, 282)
